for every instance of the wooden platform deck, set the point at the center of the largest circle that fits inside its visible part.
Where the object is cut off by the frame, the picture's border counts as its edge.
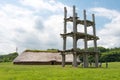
(88, 22)
(80, 35)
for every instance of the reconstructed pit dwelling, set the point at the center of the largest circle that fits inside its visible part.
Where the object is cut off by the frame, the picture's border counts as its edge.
(79, 35)
(41, 58)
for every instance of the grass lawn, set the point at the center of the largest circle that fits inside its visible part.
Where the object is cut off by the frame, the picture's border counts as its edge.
(8, 71)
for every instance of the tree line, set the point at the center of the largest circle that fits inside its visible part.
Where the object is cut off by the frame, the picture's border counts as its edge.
(110, 55)
(9, 57)
(105, 55)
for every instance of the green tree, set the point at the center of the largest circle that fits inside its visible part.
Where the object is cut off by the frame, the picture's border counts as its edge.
(9, 57)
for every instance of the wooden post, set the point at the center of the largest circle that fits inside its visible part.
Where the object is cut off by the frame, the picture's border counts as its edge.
(74, 38)
(16, 50)
(106, 64)
(85, 55)
(64, 37)
(95, 41)
(63, 60)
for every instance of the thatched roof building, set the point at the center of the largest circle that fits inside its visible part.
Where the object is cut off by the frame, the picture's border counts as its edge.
(43, 58)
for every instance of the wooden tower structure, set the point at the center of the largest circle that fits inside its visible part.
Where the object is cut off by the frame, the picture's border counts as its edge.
(79, 35)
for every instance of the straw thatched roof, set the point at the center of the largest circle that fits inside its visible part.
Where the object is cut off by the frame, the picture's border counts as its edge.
(41, 57)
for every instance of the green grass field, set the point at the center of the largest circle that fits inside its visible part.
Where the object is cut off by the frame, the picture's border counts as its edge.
(8, 71)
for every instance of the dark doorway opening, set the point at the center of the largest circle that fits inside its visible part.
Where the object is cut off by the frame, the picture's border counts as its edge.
(53, 62)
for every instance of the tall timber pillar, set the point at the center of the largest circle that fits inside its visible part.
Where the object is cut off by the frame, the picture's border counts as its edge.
(85, 55)
(64, 37)
(95, 42)
(74, 38)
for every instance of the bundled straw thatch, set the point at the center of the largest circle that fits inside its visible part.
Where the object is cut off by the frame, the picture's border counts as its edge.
(45, 58)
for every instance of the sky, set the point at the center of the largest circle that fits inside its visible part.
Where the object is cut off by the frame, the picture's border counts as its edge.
(37, 24)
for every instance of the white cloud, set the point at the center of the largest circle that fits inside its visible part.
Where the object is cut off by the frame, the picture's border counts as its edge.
(51, 5)
(110, 14)
(25, 26)
(13, 18)
(110, 33)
